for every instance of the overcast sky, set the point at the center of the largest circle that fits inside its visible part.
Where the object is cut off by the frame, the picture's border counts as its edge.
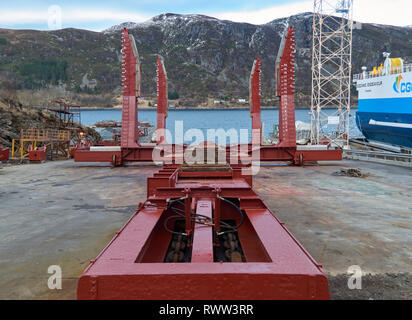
(98, 15)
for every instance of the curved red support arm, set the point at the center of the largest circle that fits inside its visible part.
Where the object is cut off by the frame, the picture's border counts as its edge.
(131, 91)
(162, 102)
(254, 96)
(285, 90)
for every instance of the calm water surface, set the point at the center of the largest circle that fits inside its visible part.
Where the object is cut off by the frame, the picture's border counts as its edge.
(207, 119)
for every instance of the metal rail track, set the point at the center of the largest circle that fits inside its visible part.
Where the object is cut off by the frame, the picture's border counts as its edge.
(372, 146)
(392, 158)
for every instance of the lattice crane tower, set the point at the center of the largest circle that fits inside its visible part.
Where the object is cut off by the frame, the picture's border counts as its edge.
(331, 71)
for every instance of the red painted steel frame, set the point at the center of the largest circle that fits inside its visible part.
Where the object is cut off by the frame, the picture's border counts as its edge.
(38, 154)
(285, 90)
(254, 95)
(131, 85)
(162, 102)
(275, 265)
(285, 150)
(132, 267)
(4, 154)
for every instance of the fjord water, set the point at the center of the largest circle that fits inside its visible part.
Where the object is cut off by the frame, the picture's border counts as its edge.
(208, 119)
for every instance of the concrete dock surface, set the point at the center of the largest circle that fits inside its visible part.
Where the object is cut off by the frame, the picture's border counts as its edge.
(64, 213)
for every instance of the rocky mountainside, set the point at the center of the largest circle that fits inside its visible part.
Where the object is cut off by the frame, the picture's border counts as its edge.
(14, 117)
(205, 57)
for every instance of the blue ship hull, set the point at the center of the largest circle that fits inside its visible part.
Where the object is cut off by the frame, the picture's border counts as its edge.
(390, 128)
(385, 103)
